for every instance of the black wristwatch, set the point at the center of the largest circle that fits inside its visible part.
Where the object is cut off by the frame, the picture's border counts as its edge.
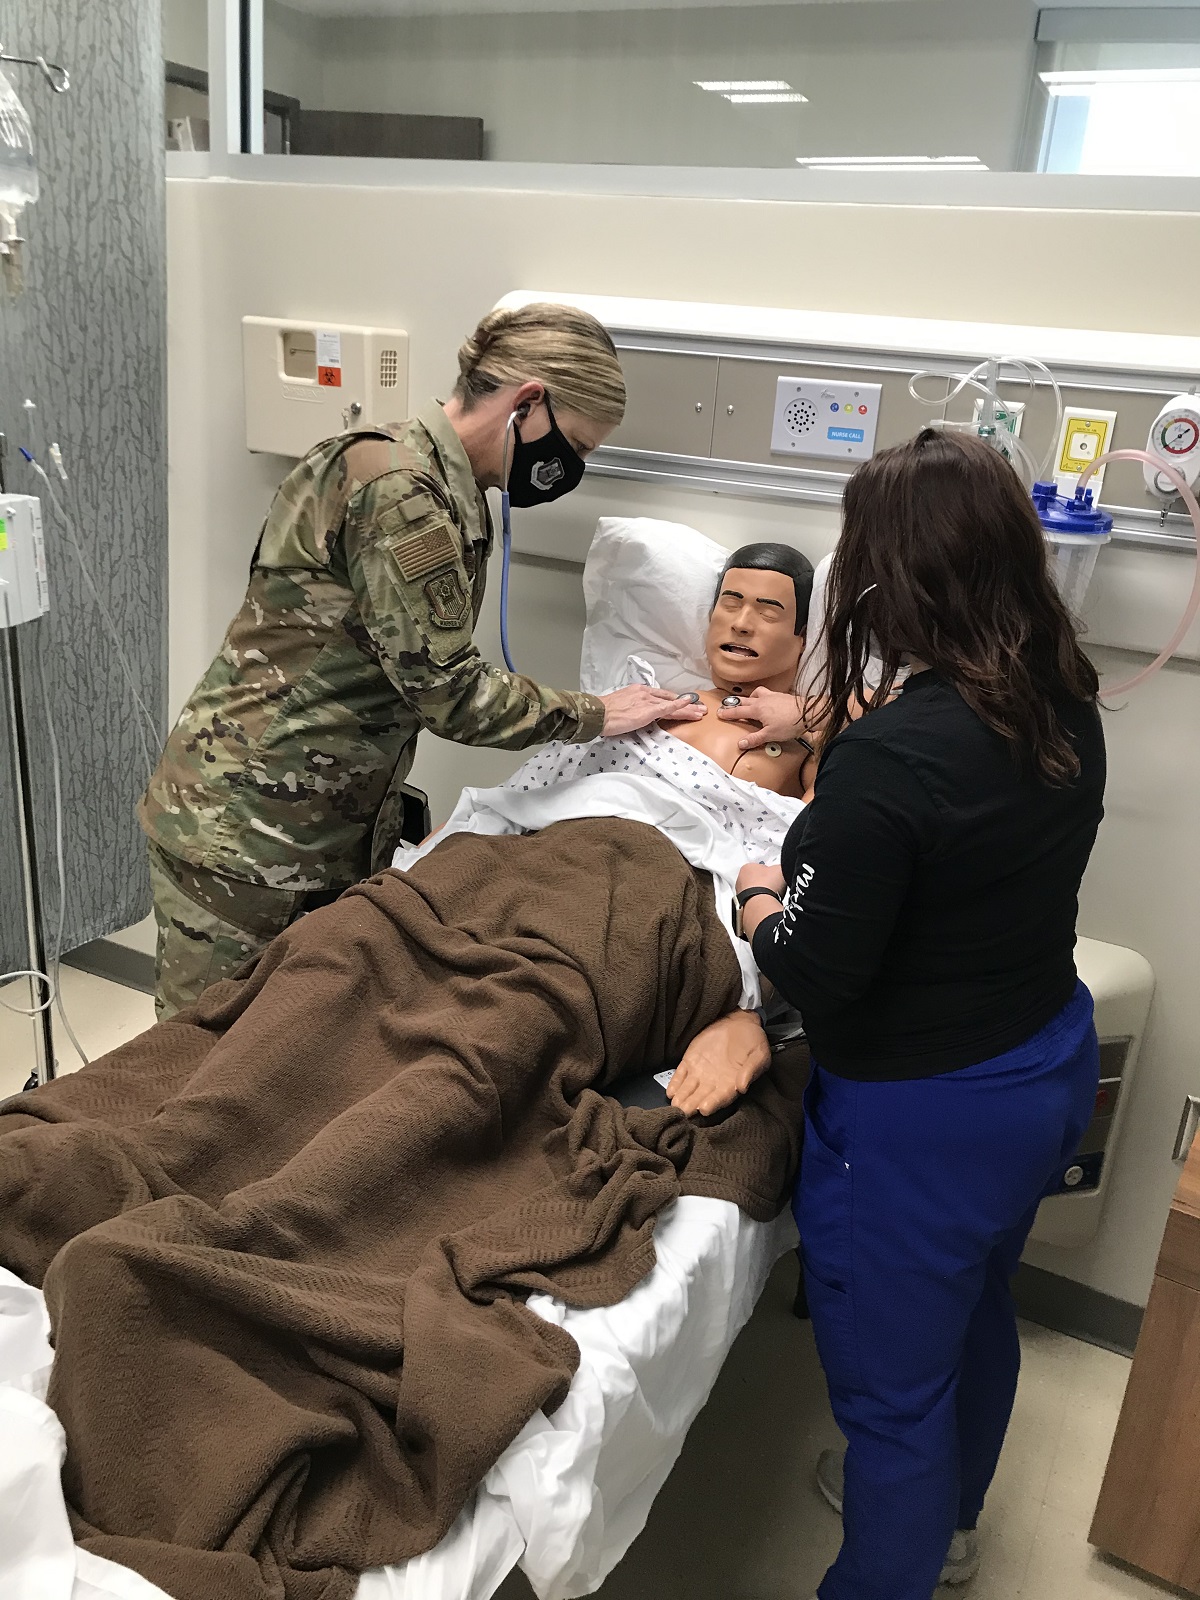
(742, 898)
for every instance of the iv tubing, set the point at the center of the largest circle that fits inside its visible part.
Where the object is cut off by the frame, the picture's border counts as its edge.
(105, 620)
(1193, 604)
(971, 380)
(55, 962)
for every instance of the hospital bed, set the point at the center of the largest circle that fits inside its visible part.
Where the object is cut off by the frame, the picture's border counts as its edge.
(572, 1492)
(565, 1500)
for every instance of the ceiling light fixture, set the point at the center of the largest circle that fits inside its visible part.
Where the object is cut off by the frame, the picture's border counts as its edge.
(892, 163)
(1060, 83)
(741, 85)
(766, 99)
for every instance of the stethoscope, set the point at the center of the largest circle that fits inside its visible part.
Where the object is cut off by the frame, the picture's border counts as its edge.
(506, 537)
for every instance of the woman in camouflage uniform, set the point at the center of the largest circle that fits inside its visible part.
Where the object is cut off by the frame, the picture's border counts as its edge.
(281, 783)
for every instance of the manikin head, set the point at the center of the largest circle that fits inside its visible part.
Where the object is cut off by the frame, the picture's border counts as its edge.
(757, 626)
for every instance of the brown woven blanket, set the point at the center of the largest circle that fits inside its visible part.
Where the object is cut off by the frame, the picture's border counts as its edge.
(285, 1237)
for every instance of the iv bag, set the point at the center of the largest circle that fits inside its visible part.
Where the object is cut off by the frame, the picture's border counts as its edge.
(18, 169)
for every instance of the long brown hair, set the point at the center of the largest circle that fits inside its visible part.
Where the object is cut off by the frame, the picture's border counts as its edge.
(942, 557)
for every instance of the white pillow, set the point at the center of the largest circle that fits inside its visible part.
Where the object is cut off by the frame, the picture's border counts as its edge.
(812, 663)
(649, 589)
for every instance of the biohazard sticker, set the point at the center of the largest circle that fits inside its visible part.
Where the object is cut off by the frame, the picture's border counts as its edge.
(329, 360)
(447, 602)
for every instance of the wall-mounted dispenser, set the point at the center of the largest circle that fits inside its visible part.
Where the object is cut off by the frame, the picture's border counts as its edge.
(305, 381)
(1122, 986)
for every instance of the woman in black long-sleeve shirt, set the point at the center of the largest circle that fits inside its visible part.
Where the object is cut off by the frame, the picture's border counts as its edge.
(926, 934)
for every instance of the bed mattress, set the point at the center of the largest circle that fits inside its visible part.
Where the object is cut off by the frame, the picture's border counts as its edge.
(565, 1500)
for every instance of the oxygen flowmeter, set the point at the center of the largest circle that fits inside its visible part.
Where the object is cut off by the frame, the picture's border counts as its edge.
(1175, 439)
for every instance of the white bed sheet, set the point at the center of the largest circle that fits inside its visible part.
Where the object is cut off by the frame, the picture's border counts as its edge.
(565, 1500)
(715, 821)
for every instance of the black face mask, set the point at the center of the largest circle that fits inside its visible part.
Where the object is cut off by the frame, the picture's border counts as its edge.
(542, 469)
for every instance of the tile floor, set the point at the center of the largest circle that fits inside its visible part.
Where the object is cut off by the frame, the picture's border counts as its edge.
(739, 1518)
(102, 1014)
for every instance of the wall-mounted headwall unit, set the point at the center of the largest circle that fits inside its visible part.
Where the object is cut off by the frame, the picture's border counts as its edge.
(710, 387)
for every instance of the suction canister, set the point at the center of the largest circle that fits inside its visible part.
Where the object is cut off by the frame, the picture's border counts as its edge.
(1075, 530)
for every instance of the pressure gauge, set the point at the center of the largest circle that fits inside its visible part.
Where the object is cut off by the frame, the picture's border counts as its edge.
(1180, 436)
(1175, 439)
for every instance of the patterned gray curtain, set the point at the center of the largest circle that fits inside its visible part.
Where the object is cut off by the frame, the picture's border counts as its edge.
(86, 343)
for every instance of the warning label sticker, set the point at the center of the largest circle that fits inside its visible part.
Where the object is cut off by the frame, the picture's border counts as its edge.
(329, 360)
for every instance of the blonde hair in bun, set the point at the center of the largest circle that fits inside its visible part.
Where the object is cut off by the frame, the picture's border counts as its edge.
(566, 350)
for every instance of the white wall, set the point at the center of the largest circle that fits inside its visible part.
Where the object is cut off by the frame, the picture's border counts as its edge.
(294, 51)
(185, 32)
(433, 260)
(609, 85)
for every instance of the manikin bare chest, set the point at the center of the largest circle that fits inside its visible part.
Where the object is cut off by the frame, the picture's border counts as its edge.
(779, 767)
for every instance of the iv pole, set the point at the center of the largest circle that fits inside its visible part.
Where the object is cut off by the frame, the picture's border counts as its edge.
(14, 702)
(14, 705)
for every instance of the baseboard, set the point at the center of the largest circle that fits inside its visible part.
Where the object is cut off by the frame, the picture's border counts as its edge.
(1075, 1308)
(105, 958)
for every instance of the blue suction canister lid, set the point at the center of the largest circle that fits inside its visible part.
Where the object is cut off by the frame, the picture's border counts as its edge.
(1074, 513)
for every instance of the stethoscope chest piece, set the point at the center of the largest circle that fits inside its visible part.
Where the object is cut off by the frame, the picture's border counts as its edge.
(731, 701)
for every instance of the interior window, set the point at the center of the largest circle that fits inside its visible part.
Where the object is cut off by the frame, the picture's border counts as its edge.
(185, 62)
(1118, 91)
(935, 86)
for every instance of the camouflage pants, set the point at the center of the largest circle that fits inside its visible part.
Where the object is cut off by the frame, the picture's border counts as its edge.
(209, 924)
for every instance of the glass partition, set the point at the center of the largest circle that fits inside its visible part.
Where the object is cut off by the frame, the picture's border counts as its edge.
(857, 85)
(703, 85)
(1120, 109)
(185, 64)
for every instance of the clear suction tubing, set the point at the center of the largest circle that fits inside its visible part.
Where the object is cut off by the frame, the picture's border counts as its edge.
(1076, 529)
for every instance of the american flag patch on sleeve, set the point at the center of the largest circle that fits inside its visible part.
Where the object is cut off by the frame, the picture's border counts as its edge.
(424, 551)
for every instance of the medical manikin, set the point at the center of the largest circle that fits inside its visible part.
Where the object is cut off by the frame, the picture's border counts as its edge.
(756, 636)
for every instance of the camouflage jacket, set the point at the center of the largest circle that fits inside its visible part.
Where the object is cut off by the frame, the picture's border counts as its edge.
(284, 767)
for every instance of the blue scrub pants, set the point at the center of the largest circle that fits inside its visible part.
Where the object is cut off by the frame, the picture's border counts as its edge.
(914, 1201)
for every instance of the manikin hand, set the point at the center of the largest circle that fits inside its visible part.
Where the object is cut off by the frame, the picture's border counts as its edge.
(780, 718)
(720, 1063)
(626, 710)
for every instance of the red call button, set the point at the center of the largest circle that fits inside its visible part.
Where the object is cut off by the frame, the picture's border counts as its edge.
(862, 411)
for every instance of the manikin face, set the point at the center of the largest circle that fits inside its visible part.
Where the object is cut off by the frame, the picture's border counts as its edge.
(752, 638)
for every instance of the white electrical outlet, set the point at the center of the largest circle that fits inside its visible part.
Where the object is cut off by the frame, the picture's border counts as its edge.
(1084, 437)
(813, 418)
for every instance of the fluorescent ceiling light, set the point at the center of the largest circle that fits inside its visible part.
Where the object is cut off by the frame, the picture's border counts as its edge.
(766, 99)
(742, 86)
(892, 163)
(1077, 82)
